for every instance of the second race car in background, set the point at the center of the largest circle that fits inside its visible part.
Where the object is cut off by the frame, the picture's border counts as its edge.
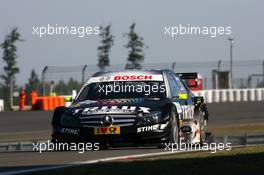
(103, 112)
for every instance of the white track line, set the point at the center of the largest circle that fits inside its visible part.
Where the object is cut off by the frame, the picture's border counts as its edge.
(74, 164)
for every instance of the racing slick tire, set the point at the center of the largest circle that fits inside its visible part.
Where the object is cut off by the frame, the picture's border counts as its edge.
(201, 120)
(174, 129)
(202, 130)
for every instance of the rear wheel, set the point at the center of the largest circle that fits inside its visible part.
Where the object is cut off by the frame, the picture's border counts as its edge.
(201, 118)
(202, 129)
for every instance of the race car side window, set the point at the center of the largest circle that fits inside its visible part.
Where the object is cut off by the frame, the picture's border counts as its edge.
(173, 85)
(83, 94)
(179, 88)
(186, 90)
(185, 85)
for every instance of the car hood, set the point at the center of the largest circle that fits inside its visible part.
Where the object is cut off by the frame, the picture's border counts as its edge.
(116, 106)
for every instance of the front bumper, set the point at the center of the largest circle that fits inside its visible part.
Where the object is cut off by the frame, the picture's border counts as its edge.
(156, 133)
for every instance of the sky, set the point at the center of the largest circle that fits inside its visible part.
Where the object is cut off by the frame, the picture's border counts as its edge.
(245, 18)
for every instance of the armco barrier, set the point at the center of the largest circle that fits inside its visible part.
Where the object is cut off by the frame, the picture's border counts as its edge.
(1, 105)
(231, 95)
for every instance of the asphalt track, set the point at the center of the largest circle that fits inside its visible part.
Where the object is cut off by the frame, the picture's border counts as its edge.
(35, 125)
(24, 160)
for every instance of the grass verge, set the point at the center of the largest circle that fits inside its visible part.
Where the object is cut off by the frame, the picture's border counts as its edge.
(246, 160)
(236, 129)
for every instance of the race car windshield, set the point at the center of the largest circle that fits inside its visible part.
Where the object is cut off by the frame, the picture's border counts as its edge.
(123, 89)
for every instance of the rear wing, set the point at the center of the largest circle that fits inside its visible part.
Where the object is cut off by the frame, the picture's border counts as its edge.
(189, 76)
(192, 79)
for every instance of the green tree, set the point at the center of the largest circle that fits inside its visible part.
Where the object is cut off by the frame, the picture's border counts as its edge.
(135, 46)
(61, 88)
(33, 82)
(10, 69)
(72, 85)
(103, 50)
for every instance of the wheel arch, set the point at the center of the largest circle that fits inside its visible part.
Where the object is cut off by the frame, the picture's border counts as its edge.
(57, 114)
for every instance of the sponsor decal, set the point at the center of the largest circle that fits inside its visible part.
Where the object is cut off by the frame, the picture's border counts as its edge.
(147, 128)
(69, 131)
(76, 111)
(118, 101)
(187, 111)
(90, 110)
(183, 96)
(122, 77)
(133, 77)
(107, 130)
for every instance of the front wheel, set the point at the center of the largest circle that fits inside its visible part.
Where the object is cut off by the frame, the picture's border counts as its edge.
(173, 132)
(174, 129)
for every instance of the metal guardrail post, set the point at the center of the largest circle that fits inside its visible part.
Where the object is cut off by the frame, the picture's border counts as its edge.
(83, 72)
(173, 66)
(249, 81)
(8, 147)
(246, 138)
(231, 40)
(20, 146)
(225, 139)
(11, 91)
(43, 80)
(263, 73)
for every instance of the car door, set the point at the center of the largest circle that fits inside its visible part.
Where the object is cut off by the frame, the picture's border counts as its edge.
(187, 100)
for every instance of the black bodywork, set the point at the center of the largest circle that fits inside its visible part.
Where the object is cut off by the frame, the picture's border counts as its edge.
(141, 120)
(160, 108)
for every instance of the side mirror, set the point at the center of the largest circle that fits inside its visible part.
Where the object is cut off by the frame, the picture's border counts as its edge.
(198, 100)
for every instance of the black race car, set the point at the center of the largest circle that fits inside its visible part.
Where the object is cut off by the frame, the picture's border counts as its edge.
(151, 106)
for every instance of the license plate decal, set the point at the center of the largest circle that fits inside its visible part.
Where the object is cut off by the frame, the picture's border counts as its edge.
(107, 130)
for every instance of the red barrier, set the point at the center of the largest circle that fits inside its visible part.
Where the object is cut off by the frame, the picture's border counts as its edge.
(50, 103)
(55, 101)
(61, 101)
(44, 103)
(47, 102)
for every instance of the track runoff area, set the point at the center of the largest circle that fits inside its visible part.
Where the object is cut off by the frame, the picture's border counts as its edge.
(37, 125)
